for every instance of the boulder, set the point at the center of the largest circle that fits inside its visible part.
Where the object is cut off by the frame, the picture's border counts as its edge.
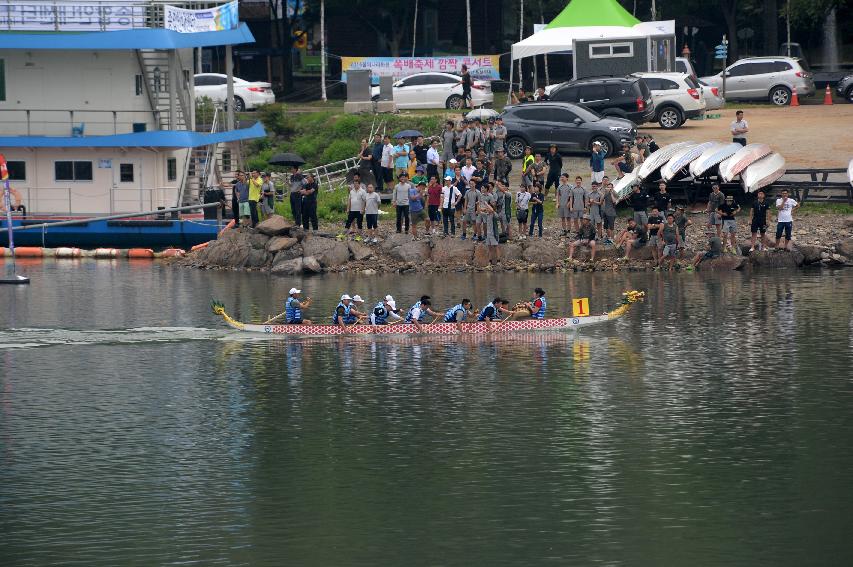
(258, 240)
(327, 251)
(359, 251)
(544, 252)
(846, 248)
(289, 254)
(297, 232)
(776, 259)
(415, 252)
(279, 243)
(725, 263)
(583, 253)
(395, 240)
(811, 254)
(449, 251)
(290, 267)
(257, 258)
(276, 225)
(231, 251)
(848, 222)
(311, 266)
(481, 256)
(509, 252)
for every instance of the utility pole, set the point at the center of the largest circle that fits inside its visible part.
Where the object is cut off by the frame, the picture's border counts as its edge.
(468, 24)
(788, 26)
(323, 50)
(542, 20)
(654, 11)
(415, 32)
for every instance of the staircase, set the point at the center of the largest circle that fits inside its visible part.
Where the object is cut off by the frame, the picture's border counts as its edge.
(154, 67)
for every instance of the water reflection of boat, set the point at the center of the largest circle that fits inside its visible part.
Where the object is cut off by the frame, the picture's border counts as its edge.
(478, 329)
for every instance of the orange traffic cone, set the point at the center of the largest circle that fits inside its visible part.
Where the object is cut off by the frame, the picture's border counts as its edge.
(827, 96)
(795, 101)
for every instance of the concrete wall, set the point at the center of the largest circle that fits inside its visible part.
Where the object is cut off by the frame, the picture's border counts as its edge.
(586, 66)
(106, 193)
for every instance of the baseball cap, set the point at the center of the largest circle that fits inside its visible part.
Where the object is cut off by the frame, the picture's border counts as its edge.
(345, 296)
(452, 160)
(390, 301)
(357, 298)
(596, 143)
(419, 168)
(448, 178)
(294, 290)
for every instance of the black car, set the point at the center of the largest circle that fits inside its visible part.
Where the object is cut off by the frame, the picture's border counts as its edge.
(571, 127)
(844, 88)
(625, 97)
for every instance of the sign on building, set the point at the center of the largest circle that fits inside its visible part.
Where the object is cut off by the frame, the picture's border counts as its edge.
(47, 15)
(191, 21)
(482, 67)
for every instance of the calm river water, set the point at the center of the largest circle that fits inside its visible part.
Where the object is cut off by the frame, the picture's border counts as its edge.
(713, 425)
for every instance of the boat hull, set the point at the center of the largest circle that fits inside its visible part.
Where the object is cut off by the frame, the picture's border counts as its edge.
(763, 172)
(625, 185)
(850, 172)
(712, 157)
(678, 166)
(733, 166)
(115, 234)
(649, 168)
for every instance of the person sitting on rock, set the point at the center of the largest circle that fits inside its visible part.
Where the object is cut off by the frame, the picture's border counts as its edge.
(715, 250)
(586, 237)
(632, 238)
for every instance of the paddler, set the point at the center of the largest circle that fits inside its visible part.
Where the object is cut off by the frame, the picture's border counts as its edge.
(384, 310)
(293, 308)
(418, 312)
(355, 312)
(538, 305)
(458, 313)
(342, 312)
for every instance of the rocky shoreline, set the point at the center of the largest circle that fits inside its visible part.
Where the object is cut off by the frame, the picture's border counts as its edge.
(277, 247)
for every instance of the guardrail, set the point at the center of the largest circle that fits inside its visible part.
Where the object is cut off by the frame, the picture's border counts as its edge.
(65, 200)
(73, 118)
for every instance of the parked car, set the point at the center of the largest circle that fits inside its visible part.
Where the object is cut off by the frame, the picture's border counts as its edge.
(572, 127)
(713, 97)
(436, 90)
(844, 88)
(623, 97)
(683, 65)
(676, 98)
(772, 78)
(247, 95)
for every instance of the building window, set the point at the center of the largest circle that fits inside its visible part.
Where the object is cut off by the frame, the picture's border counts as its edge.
(73, 170)
(172, 169)
(17, 170)
(226, 160)
(607, 50)
(125, 173)
(139, 85)
(2, 79)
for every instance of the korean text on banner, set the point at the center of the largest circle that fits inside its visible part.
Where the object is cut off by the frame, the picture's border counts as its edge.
(191, 21)
(481, 67)
(49, 16)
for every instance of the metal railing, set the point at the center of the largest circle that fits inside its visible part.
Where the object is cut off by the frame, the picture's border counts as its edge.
(89, 15)
(32, 119)
(66, 200)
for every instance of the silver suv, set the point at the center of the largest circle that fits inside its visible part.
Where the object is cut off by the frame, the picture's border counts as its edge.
(771, 78)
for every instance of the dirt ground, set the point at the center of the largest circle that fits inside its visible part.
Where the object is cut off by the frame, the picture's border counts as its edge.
(807, 136)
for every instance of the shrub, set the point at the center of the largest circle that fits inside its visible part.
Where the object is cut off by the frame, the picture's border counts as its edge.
(340, 149)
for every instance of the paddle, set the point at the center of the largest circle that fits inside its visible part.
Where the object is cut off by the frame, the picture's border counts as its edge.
(509, 317)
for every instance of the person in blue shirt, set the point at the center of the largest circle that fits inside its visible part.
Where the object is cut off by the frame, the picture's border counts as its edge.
(458, 313)
(538, 305)
(293, 308)
(401, 157)
(418, 312)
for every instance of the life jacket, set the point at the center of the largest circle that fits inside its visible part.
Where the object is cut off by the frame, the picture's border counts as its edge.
(380, 314)
(346, 313)
(541, 313)
(450, 315)
(412, 308)
(291, 311)
(482, 315)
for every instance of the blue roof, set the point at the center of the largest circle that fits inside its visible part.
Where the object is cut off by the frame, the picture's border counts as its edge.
(147, 38)
(155, 139)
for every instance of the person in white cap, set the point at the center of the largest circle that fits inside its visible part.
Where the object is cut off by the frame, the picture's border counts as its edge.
(355, 313)
(451, 168)
(293, 308)
(450, 196)
(342, 311)
(384, 310)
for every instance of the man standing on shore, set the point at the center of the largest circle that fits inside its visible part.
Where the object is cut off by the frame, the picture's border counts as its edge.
(376, 162)
(785, 222)
(578, 203)
(447, 142)
(240, 189)
(639, 200)
(727, 212)
(502, 167)
(715, 199)
(400, 200)
(433, 160)
(758, 221)
(563, 200)
(387, 161)
(739, 128)
(401, 157)
(596, 162)
(555, 167)
(255, 184)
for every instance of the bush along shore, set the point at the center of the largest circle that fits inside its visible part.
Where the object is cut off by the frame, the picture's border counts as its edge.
(277, 247)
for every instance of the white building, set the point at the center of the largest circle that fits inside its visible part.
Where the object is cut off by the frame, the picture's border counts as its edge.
(99, 118)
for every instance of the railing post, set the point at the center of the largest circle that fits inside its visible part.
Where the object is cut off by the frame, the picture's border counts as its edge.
(69, 201)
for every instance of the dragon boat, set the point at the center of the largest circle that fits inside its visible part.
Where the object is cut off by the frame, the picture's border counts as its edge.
(506, 326)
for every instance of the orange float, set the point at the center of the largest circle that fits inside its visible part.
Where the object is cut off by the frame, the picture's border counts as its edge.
(172, 253)
(65, 252)
(29, 252)
(201, 246)
(140, 253)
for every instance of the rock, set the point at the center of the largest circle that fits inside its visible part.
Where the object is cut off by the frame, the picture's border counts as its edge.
(290, 267)
(258, 240)
(811, 254)
(289, 254)
(510, 252)
(279, 243)
(776, 259)
(415, 252)
(725, 263)
(583, 253)
(230, 251)
(848, 222)
(274, 226)
(298, 233)
(257, 258)
(394, 240)
(845, 248)
(450, 251)
(311, 265)
(481, 256)
(544, 252)
(329, 252)
(359, 251)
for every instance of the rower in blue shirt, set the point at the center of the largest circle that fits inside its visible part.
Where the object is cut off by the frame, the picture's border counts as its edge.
(458, 313)
(342, 312)
(293, 308)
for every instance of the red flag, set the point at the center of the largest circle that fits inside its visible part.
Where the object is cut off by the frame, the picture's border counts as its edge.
(4, 173)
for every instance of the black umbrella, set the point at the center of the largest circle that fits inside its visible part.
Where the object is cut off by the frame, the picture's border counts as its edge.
(407, 134)
(287, 159)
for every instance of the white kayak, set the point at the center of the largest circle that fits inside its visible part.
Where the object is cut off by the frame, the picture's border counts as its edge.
(712, 157)
(681, 161)
(733, 166)
(850, 172)
(657, 160)
(625, 185)
(763, 172)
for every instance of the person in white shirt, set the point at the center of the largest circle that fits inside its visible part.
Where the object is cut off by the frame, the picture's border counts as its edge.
(450, 196)
(739, 128)
(356, 204)
(387, 161)
(372, 201)
(468, 170)
(785, 221)
(433, 160)
(522, 202)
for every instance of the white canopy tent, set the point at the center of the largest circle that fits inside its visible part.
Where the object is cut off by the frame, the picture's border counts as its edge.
(562, 39)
